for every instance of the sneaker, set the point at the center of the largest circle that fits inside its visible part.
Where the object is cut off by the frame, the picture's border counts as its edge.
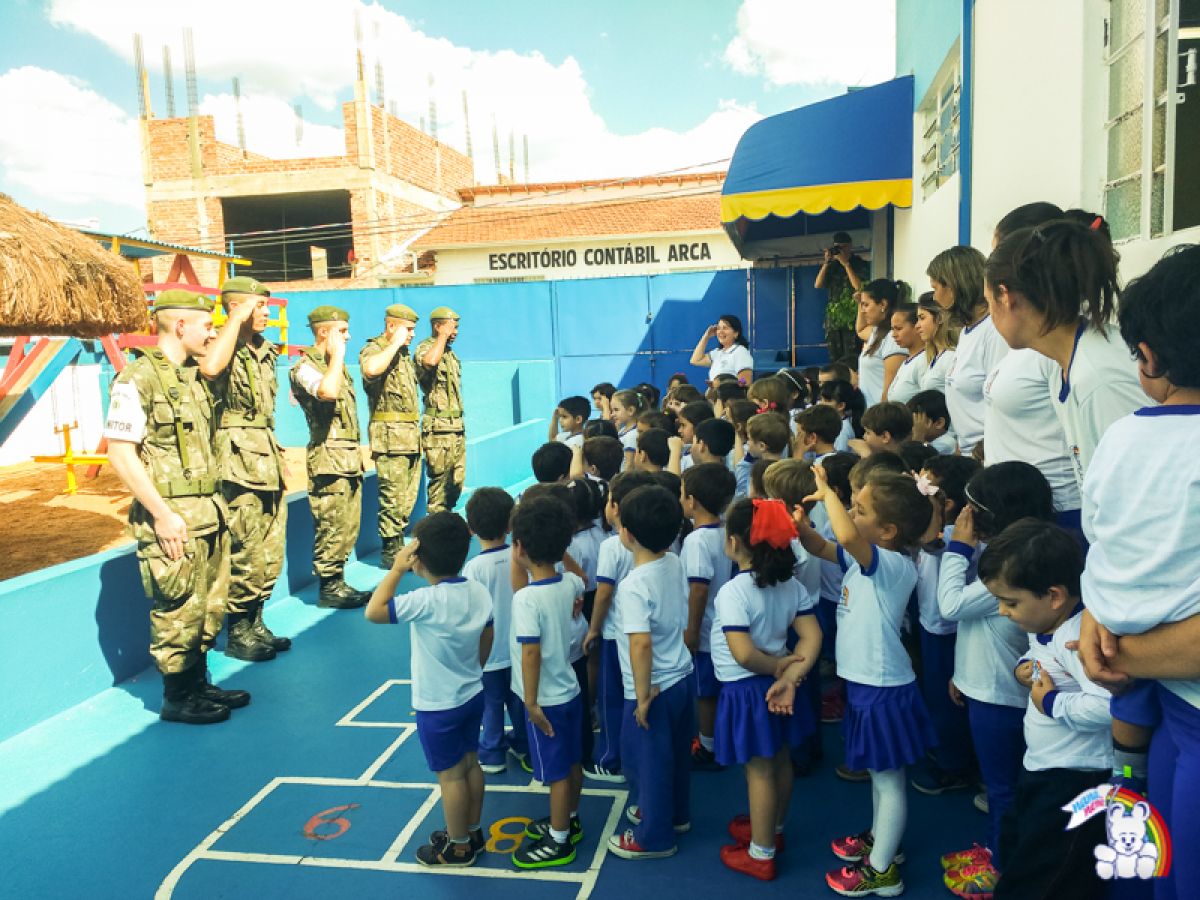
(977, 855)
(739, 830)
(493, 768)
(934, 780)
(599, 773)
(857, 847)
(541, 829)
(981, 803)
(846, 773)
(833, 706)
(738, 858)
(624, 846)
(634, 815)
(440, 839)
(544, 853)
(703, 759)
(976, 882)
(452, 855)
(522, 760)
(863, 881)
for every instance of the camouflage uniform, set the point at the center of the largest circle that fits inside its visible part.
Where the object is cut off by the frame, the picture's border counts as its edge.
(443, 436)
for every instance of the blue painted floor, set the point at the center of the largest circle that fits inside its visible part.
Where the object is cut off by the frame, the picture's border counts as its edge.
(319, 788)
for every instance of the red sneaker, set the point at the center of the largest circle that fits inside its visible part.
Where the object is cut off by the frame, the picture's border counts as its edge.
(739, 830)
(624, 846)
(739, 859)
(833, 705)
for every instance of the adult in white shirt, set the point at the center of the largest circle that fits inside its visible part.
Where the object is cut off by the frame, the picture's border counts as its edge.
(956, 276)
(933, 327)
(731, 355)
(907, 383)
(881, 356)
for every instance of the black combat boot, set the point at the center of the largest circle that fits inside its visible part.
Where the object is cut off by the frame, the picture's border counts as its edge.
(336, 594)
(202, 687)
(243, 643)
(182, 704)
(354, 595)
(391, 546)
(264, 634)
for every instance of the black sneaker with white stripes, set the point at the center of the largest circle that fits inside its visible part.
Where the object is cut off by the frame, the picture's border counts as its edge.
(543, 853)
(541, 828)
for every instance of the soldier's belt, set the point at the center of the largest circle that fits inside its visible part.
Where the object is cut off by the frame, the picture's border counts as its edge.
(188, 487)
(443, 413)
(231, 418)
(386, 416)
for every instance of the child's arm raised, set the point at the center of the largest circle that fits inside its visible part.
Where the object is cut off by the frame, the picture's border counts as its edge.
(957, 600)
(377, 609)
(675, 460)
(577, 467)
(844, 529)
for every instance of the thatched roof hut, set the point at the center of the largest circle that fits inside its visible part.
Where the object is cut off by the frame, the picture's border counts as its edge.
(55, 281)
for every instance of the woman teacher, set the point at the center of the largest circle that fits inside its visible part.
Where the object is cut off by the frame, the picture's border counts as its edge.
(732, 355)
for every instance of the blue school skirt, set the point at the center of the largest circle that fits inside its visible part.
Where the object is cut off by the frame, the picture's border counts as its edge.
(746, 728)
(885, 727)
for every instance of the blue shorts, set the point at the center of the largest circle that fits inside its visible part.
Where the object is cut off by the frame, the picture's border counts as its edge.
(553, 758)
(447, 735)
(1138, 706)
(706, 679)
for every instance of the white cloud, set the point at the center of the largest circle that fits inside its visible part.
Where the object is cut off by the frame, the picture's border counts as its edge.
(817, 42)
(270, 127)
(66, 143)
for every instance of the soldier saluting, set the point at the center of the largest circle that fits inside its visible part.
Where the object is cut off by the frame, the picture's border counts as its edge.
(442, 435)
(160, 439)
(325, 392)
(394, 431)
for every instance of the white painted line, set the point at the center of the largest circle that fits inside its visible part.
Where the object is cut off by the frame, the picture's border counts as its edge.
(348, 718)
(406, 833)
(610, 827)
(381, 866)
(373, 769)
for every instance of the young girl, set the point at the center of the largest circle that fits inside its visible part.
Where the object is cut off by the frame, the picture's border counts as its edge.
(602, 398)
(933, 328)
(771, 394)
(626, 407)
(679, 397)
(911, 374)
(849, 403)
(738, 413)
(799, 397)
(886, 725)
(751, 618)
(881, 356)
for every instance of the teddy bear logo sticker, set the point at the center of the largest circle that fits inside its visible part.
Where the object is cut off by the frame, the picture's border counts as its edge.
(1138, 846)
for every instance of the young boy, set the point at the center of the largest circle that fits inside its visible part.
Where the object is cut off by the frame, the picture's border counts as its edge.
(656, 670)
(931, 421)
(1033, 569)
(542, 675)
(599, 458)
(551, 463)
(886, 426)
(488, 513)
(566, 425)
(654, 418)
(816, 430)
(767, 436)
(653, 453)
(450, 632)
(613, 565)
(706, 493)
(712, 442)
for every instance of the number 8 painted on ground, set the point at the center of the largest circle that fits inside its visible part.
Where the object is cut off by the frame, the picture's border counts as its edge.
(500, 832)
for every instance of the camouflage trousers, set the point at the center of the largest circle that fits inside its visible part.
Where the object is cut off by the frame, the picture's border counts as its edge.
(399, 481)
(257, 531)
(445, 469)
(336, 504)
(187, 599)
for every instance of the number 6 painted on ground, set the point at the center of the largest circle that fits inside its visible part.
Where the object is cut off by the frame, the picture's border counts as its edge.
(323, 818)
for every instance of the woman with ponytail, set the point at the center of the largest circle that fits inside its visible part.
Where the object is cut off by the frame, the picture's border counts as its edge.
(881, 356)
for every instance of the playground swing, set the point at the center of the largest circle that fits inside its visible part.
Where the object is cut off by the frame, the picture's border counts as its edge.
(69, 457)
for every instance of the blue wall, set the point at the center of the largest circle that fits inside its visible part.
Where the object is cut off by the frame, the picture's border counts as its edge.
(925, 32)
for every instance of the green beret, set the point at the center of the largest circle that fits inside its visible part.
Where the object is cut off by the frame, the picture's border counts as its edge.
(327, 314)
(179, 299)
(443, 312)
(400, 311)
(243, 284)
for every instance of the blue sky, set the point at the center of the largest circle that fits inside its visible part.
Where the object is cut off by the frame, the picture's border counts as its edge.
(615, 89)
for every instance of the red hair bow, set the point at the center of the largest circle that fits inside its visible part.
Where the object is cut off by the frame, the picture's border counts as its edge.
(771, 523)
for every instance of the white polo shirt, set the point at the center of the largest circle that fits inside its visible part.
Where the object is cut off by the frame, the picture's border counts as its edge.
(870, 366)
(765, 614)
(980, 348)
(543, 613)
(493, 569)
(907, 383)
(586, 552)
(729, 361)
(704, 562)
(613, 564)
(654, 600)
(869, 614)
(934, 378)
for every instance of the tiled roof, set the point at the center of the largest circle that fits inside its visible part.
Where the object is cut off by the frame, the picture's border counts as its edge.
(619, 217)
(546, 187)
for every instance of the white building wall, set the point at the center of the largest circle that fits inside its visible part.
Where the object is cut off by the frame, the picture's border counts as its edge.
(924, 231)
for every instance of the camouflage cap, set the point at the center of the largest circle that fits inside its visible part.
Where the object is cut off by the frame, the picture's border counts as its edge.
(443, 312)
(179, 299)
(243, 284)
(327, 314)
(400, 311)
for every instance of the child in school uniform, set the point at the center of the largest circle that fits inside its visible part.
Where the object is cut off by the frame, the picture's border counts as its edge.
(706, 492)
(754, 613)
(659, 718)
(887, 726)
(450, 631)
(612, 565)
(587, 502)
(626, 407)
(551, 462)
(539, 643)
(488, 513)
(653, 451)
(767, 436)
(566, 425)
(848, 401)
(816, 430)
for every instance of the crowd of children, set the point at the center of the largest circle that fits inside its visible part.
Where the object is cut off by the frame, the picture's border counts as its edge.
(976, 537)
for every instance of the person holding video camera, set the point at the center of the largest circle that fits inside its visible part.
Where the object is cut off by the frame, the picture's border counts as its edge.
(843, 273)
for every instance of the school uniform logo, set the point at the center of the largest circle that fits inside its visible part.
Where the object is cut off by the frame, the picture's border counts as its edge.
(1139, 845)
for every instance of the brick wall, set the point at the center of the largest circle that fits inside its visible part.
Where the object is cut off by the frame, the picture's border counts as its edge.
(409, 154)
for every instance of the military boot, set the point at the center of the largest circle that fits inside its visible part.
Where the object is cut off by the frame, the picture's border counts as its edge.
(336, 594)
(202, 687)
(264, 634)
(242, 643)
(391, 546)
(354, 595)
(182, 704)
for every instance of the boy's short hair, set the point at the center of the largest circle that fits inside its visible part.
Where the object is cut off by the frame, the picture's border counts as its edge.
(685, 394)
(653, 515)
(604, 389)
(821, 420)
(1162, 310)
(577, 407)
(445, 542)
(916, 455)
(838, 467)
(543, 526)
(626, 483)
(725, 377)
(932, 404)
(729, 390)
(952, 473)
(711, 485)
(599, 428)
(669, 480)
(718, 436)
(1033, 555)
(551, 461)
(893, 419)
(606, 454)
(882, 460)
(489, 510)
(839, 370)
(653, 443)
(757, 472)
(771, 429)
(697, 412)
(654, 418)
(790, 480)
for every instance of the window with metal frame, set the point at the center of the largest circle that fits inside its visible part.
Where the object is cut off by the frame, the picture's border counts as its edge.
(939, 152)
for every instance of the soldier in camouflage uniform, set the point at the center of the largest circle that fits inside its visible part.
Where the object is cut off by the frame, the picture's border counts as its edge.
(160, 442)
(391, 385)
(322, 385)
(240, 366)
(442, 435)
